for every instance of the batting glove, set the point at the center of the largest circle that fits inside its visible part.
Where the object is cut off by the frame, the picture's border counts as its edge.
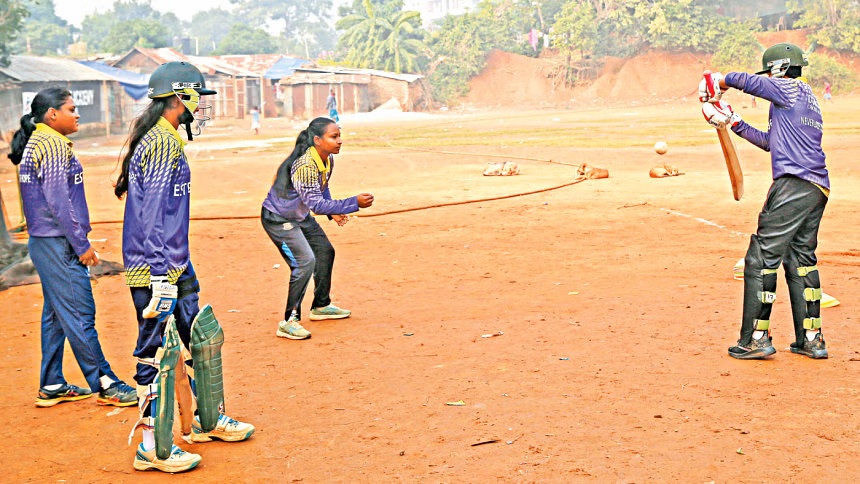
(164, 295)
(710, 92)
(720, 114)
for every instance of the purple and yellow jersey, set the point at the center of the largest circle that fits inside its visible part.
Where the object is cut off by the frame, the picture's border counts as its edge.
(795, 127)
(155, 226)
(52, 189)
(307, 190)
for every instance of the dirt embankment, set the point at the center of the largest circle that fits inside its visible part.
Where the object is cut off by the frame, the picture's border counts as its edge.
(656, 76)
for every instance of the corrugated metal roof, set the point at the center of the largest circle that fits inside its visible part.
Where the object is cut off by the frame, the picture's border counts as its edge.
(24, 68)
(214, 65)
(366, 72)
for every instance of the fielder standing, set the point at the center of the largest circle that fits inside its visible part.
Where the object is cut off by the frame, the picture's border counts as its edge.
(301, 187)
(58, 221)
(156, 182)
(788, 224)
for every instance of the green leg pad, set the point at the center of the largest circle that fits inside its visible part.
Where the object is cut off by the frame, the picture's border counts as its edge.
(169, 357)
(206, 340)
(762, 324)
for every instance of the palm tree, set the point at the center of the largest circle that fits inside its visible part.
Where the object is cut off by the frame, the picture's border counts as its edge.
(374, 41)
(360, 34)
(398, 50)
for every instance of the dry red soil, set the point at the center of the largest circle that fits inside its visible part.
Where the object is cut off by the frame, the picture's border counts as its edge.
(584, 329)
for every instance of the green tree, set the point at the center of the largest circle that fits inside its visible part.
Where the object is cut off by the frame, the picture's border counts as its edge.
(128, 24)
(305, 22)
(576, 29)
(460, 48)
(823, 68)
(360, 34)
(44, 33)
(739, 51)
(242, 39)
(382, 36)
(148, 33)
(834, 23)
(12, 15)
(209, 27)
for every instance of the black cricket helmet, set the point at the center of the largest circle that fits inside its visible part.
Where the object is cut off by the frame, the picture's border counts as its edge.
(186, 82)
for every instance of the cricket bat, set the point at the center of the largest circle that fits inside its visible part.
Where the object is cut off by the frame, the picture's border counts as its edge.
(736, 176)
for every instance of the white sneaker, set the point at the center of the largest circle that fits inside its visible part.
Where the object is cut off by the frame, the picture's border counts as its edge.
(292, 329)
(178, 461)
(227, 429)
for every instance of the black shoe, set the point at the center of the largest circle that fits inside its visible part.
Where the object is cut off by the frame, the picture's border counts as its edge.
(66, 393)
(758, 349)
(815, 349)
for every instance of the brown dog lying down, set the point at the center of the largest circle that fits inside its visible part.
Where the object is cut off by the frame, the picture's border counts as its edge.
(591, 172)
(502, 169)
(662, 171)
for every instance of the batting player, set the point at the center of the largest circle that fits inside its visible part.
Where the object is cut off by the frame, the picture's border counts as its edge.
(788, 224)
(58, 221)
(156, 182)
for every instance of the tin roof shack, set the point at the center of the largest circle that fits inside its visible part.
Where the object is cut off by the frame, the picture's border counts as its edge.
(93, 91)
(233, 84)
(304, 93)
(405, 88)
(270, 68)
(238, 88)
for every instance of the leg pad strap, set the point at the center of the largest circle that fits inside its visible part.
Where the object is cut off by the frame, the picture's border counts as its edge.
(767, 297)
(804, 271)
(812, 294)
(762, 324)
(812, 323)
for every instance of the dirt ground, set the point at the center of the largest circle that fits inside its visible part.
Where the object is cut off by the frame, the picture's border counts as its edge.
(584, 328)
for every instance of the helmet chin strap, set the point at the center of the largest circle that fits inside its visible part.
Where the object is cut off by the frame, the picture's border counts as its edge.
(187, 118)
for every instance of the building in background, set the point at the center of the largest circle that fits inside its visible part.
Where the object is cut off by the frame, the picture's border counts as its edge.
(94, 92)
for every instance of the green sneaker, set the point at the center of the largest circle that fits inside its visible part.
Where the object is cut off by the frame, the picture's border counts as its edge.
(119, 394)
(66, 393)
(329, 312)
(292, 329)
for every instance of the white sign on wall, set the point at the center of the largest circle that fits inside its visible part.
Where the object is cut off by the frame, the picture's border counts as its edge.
(84, 97)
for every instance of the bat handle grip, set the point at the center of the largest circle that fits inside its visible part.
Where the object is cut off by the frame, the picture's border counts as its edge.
(709, 81)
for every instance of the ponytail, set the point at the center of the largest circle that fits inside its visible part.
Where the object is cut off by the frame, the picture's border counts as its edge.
(52, 97)
(304, 140)
(20, 138)
(139, 127)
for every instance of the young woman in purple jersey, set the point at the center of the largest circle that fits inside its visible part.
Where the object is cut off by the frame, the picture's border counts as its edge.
(300, 190)
(58, 221)
(787, 232)
(156, 183)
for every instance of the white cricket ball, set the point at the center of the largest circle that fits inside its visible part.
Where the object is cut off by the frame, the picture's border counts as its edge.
(661, 147)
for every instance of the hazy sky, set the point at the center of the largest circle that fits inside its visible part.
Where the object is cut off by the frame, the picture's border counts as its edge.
(74, 11)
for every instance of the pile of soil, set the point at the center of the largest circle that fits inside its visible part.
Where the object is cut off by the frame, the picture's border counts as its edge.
(516, 80)
(512, 80)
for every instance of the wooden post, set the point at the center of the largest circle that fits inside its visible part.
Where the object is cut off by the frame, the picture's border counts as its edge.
(106, 107)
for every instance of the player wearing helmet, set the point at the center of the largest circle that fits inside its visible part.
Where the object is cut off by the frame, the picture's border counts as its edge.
(788, 224)
(155, 181)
